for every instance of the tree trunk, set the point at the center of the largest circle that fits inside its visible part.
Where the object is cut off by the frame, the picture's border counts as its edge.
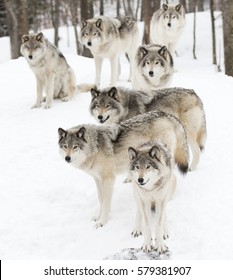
(183, 2)
(200, 5)
(227, 34)
(148, 11)
(192, 4)
(74, 19)
(213, 31)
(87, 12)
(118, 8)
(194, 30)
(101, 7)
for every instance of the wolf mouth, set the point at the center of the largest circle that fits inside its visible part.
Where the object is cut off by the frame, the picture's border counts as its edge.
(103, 121)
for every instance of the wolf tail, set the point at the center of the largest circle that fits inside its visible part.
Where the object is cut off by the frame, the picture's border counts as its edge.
(85, 87)
(182, 148)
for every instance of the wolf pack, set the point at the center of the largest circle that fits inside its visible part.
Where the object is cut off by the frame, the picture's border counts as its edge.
(146, 131)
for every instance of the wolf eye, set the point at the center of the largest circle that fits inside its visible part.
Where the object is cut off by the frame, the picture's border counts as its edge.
(148, 166)
(75, 147)
(65, 146)
(174, 17)
(94, 34)
(97, 106)
(137, 167)
(148, 62)
(166, 16)
(107, 106)
(157, 62)
(86, 34)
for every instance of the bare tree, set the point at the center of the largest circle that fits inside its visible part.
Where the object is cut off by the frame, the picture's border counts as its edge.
(87, 12)
(213, 31)
(101, 7)
(227, 35)
(55, 19)
(74, 19)
(194, 30)
(200, 5)
(17, 23)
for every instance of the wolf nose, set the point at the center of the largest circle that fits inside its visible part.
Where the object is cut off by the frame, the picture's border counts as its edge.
(100, 117)
(169, 24)
(140, 180)
(151, 73)
(30, 56)
(89, 43)
(68, 158)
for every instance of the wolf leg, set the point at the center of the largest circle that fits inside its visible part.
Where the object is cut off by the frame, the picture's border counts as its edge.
(39, 90)
(145, 207)
(114, 70)
(160, 246)
(98, 67)
(106, 198)
(49, 91)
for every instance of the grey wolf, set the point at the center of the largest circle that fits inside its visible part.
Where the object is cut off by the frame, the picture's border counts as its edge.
(153, 68)
(109, 38)
(154, 184)
(167, 25)
(102, 151)
(116, 104)
(53, 74)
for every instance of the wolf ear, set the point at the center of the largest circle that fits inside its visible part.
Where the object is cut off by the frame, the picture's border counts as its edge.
(163, 52)
(143, 51)
(94, 93)
(132, 153)
(165, 7)
(39, 37)
(81, 133)
(178, 7)
(155, 153)
(113, 93)
(99, 23)
(84, 23)
(61, 133)
(24, 38)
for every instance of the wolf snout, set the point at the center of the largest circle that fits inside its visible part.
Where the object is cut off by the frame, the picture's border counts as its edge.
(140, 180)
(30, 56)
(89, 43)
(100, 117)
(151, 73)
(68, 159)
(169, 24)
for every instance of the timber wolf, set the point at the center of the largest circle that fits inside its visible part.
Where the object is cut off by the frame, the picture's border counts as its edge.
(109, 38)
(116, 104)
(154, 184)
(167, 25)
(153, 68)
(102, 151)
(50, 68)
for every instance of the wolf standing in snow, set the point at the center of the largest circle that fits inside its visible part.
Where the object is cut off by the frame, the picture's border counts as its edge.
(154, 184)
(153, 68)
(102, 151)
(109, 38)
(167, 25)
(50, 68)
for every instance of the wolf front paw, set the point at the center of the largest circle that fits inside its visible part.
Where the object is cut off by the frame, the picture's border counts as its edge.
(36, 106)
(65, 99)
(136, 232)
(147, 247)
(100, 223)
(161, 247)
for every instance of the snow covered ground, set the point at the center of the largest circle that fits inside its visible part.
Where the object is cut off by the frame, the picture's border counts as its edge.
(46, 205)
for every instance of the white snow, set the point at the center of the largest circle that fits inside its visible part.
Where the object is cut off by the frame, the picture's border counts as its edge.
(46, 205)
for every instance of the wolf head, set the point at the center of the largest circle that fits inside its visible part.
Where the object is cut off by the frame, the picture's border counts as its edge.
(72, 144)
(172, 16)
(33, 47)
(154, 60)
(106, 106)
(148, 167)
(91, 34)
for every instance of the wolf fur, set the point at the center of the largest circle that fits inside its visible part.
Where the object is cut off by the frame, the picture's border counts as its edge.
(101, 151)
(167, 25)
(153, 68)
(154, 184)
(116, 104)
(109, 38)
(50, 68)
